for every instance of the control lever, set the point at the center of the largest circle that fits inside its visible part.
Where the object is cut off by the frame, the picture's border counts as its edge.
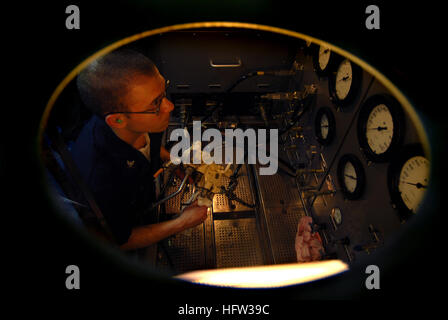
(321, 193)
(188, 172)
(308, 171)
(369, 247)
(344, 242)
(374, 233)
(193, 197)
(229, 192)
(231, 196)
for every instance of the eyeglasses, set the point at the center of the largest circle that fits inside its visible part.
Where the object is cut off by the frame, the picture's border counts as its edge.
(157, 103)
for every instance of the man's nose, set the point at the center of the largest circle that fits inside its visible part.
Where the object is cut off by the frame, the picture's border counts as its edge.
(167, 106)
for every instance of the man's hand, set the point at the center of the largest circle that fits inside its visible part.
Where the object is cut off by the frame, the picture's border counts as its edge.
(143, 236)
(193, 215)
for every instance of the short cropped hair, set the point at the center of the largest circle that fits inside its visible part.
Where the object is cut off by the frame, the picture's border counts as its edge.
(103, 84)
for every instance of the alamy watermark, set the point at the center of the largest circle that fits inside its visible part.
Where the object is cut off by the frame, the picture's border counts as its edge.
(72, 280)
(373, 20)
(373, 280)
(189, 150)
(72, 20)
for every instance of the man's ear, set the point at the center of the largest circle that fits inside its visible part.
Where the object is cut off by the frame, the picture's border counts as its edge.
(115, 120)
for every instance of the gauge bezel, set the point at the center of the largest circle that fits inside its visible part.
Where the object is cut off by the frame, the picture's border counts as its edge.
(331, 126)
(393, 178)
(354, 88)
(360, 176)
(398, 132)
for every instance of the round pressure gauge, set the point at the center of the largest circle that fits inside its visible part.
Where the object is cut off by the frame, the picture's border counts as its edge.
(408, 178)
(324, 126)
(345, 83)
(324, 61)
(336, 214)
(381, 127)
(351, 176)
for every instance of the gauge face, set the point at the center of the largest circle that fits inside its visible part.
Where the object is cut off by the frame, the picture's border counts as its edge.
(379, 130)
(324, 57)
(337, 215)
(345, 83)
(380, 127)
(351, 176)
(344, 78)
(408, 178)
(325, 126)
(414, 177)
(324, 60)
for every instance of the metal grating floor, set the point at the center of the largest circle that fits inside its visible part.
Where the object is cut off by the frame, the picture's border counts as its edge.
(186, 250)
(283, 209)
(283, 229)
(237, 243)
(172, 206)
(237, 240)
(278, 190)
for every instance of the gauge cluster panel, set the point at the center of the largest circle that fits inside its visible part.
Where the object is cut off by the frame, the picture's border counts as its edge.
(372, 152)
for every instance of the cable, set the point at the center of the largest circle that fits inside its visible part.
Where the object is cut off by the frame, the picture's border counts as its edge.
(306, 103)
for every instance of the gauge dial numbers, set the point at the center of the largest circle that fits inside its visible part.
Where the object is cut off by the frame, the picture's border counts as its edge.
(381, 127)
(345, 83)
(351, 176)
(324, 126)
(408, 178)
(414, 169)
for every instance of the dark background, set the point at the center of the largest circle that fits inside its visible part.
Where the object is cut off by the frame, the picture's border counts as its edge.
(405, 49)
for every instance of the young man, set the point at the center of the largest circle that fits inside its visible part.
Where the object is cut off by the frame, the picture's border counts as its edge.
(114, 152)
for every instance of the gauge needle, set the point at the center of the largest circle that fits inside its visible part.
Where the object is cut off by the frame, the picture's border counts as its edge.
(345, 78)
(418, 185)
(347, 175)
(379, 128)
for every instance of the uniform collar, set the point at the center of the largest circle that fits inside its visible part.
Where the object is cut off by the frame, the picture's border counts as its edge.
(106, 140)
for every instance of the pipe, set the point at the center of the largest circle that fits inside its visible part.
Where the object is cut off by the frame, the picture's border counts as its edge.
(188, 173)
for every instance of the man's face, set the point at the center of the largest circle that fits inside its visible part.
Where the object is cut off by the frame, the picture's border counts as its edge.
(143, 95)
